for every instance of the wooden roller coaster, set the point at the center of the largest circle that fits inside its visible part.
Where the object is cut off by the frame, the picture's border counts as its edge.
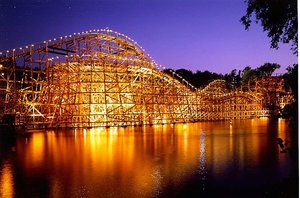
(104, 78)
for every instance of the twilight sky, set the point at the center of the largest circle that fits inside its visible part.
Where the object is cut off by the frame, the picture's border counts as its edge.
(191, 34)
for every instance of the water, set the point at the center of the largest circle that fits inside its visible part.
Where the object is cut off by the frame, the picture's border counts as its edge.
(205, 159)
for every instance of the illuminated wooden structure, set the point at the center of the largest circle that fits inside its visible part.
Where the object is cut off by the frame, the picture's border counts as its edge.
(104, 78)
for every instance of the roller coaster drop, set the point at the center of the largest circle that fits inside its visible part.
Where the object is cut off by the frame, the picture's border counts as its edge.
(104, 78)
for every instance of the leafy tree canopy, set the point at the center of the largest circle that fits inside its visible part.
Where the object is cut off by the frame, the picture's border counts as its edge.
(248, 74)
(278, 18)
(291, 79)
(233, 79)
(267, 69)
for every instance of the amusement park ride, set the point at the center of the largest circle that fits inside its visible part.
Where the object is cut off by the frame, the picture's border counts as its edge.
(104, 78)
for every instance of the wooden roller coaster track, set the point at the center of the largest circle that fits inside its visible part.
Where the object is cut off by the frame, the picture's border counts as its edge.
(104, 78)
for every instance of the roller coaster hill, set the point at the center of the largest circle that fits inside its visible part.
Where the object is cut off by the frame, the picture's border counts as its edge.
(102, 78)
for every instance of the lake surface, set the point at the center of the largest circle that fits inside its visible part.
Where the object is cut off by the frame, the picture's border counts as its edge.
(205, 159)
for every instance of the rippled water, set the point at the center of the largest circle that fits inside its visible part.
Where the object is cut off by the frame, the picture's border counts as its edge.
(205, 159)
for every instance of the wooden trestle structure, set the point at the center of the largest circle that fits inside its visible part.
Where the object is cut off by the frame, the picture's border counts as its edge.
(104, 78)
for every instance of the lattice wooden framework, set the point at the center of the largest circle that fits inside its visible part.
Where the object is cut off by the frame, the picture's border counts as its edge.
(104, 78)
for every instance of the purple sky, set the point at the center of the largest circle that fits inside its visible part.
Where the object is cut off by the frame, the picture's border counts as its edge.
(191, 34)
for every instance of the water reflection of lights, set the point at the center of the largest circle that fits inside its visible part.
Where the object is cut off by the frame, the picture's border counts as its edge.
(37, 147)
(84, 136)
(230, 139)
(202, 159)
(157, 178)
(282, 129)
(75, 135)
(230, 130)
(96, 131)
(6, 181)
(151, 158)
(113, 131)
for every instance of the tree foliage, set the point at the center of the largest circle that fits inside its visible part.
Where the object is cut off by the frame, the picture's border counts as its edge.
(291, 110)
(233, 79)
(201, 79)
(267, 69)
(278, 18)
(198, 79)
(291, 79)
(248, 74)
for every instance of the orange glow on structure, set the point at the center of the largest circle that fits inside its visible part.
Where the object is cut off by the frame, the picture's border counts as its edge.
(110, 81)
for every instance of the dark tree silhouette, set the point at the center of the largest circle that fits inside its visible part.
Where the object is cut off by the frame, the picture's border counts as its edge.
(248, 74)
(198, 79)
(278, 18)
(233, 79)
(267, 69)
(201, 79)
(291, 79)
(186, 74)
(291, 111)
